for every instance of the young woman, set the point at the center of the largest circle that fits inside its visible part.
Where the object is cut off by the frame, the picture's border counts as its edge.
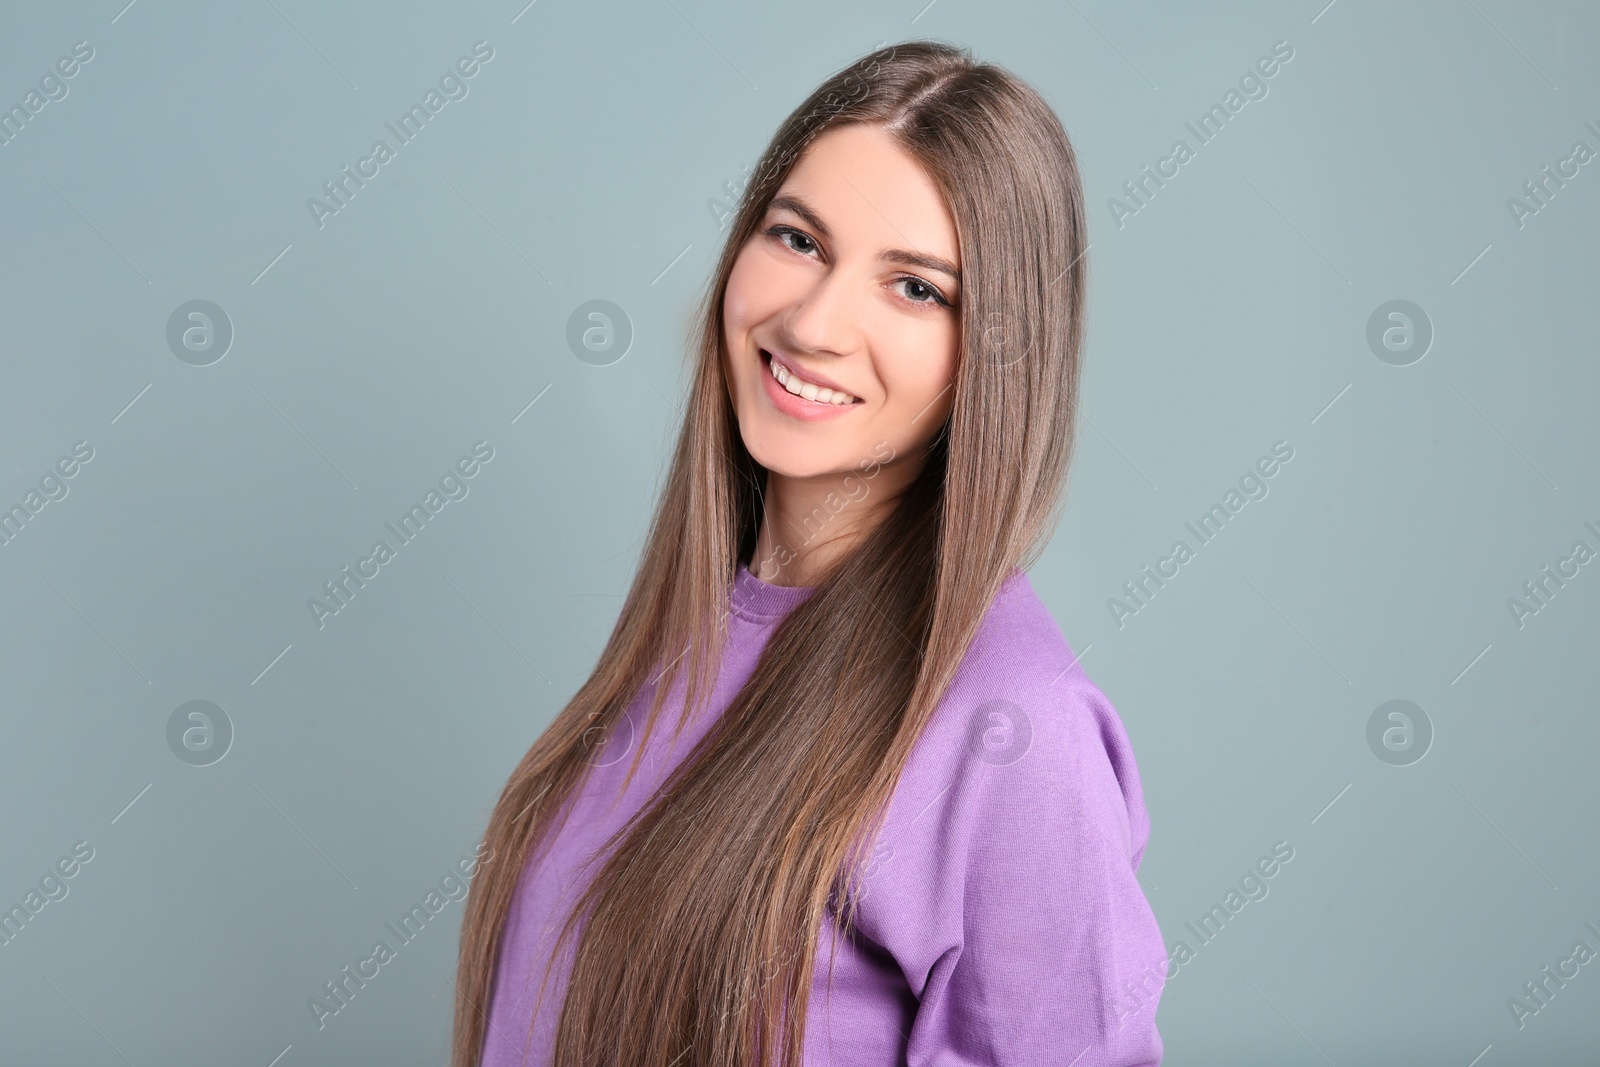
(887, 819)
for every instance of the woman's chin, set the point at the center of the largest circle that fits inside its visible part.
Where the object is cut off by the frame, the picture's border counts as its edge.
(782, 462)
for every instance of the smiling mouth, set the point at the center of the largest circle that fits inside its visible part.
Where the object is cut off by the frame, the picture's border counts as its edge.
(794, 384)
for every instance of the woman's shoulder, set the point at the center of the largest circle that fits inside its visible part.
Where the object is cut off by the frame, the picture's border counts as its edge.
(1007, 868)
(1018, 633)
(1022, 721)
(1021, 655)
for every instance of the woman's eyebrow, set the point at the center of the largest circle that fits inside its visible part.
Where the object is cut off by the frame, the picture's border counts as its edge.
(789, 202)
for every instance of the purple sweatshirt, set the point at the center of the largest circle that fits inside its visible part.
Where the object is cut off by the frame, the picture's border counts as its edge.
(1000, 918)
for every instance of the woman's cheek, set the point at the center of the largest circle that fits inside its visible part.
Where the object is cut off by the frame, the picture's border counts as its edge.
(743, 283)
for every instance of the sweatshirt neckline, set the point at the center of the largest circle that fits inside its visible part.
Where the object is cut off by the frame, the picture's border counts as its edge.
(762, 601)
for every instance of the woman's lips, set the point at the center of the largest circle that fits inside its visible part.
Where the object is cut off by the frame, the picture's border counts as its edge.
(797, 407)
(808, 377)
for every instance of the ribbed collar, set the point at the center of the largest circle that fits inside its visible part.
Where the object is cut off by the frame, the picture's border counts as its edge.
(761, 601)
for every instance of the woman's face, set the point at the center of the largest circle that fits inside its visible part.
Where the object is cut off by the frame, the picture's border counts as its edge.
(851, 282)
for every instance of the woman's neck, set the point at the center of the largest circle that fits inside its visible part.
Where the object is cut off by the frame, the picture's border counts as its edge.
(809, 524)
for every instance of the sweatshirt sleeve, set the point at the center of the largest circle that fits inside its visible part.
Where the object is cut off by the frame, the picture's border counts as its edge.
(1036, 944)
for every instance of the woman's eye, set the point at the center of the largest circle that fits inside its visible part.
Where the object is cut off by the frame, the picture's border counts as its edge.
(783, 233)
(918, 291)
(928, 294)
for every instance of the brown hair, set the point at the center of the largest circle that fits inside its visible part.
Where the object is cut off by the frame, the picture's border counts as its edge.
(699, 931)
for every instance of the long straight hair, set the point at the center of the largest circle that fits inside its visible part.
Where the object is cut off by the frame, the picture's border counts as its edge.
(698, 933)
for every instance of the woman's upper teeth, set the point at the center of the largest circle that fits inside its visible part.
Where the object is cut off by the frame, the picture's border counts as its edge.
(811, 392)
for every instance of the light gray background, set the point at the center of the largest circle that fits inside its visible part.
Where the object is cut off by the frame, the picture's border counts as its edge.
(1229, 313)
